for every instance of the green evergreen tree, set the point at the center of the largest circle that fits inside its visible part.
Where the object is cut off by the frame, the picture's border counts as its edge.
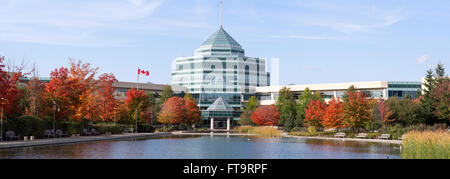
(249, 107)
(405, 111)
(288, 108)
(430, 100)
(166, 94)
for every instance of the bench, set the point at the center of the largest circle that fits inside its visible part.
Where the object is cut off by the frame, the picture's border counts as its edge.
(385, 136)
(128, 130)
(60, 133)
(86, 132)
(362, 135)
(94, 132)
(340, 135)
(49, 133)
(11, 135)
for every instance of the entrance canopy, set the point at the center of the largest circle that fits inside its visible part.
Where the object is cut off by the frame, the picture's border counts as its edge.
(219, 109)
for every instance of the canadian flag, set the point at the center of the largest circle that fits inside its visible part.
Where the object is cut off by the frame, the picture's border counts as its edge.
(143, 72)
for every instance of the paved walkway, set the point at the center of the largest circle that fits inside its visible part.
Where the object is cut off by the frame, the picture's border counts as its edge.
(70, 140)
(347, 139)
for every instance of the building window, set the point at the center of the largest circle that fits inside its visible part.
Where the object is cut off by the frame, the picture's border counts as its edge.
(247, 78)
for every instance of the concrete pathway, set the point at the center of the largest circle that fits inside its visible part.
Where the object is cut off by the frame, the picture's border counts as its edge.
(70, 140)
(347, 139)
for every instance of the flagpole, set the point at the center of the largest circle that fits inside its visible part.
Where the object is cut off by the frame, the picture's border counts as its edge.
(137, 89)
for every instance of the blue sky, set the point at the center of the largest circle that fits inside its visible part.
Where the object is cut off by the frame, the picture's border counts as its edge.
(317, 41)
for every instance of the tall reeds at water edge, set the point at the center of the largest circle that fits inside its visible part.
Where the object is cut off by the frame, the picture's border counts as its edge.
(426, 145)
(260, 131)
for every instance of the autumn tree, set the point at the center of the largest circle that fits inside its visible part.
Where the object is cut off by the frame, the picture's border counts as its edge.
(303, 101)
(105, 91)
(58, 91)
(173, 111)
(266, 116)
(334, 114)
(431, 101)
(137, 102)
(193, 114)
(315, 113)
(383, 112)
(37, 96)
(11, 93)
(357, 110)
(442, 101)
(83, 84)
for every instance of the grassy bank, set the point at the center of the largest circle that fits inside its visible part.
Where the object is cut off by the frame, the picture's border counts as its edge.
(261, 131)
(426, 145)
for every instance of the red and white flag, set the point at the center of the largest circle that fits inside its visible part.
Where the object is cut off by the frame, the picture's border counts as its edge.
(143, 72)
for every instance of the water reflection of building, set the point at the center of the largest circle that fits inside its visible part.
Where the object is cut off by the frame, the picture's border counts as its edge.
(379, 89)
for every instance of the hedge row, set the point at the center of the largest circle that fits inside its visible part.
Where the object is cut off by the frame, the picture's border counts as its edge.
(32, 126)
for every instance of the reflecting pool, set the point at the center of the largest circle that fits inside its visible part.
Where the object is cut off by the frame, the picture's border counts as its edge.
(209, 147)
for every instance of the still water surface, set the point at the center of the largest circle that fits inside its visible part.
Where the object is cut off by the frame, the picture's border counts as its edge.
(207, 147)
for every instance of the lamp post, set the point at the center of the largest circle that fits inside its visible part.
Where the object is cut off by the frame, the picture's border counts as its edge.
(115, 115)
(54, 118)
(136, 120)
(1, 121)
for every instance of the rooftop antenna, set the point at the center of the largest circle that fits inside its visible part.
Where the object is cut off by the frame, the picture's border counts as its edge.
(221, 13)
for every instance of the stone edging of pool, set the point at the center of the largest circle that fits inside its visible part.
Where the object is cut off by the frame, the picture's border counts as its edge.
(347, 139)
(72, 140)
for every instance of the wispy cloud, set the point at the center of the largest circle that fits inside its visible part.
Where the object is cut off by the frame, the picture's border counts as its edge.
(310, 68)
(339, 20)
(423, 59)
(86, 23)
(306, 37)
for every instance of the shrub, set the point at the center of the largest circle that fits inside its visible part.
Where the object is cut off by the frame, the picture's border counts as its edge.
(426, 145)
(260, 131)
(299, 129)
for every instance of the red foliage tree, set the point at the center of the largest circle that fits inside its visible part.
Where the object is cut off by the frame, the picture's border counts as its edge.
(441, 95)
(384, 111)
(193, 115)
(266, 116)
(105, 91)
(315, 113)
(173, 111)
(10, 94)
(334, 114)
(58, 90)
(136, 100)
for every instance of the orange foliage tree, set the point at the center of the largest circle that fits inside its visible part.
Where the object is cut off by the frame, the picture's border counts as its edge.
(105, 91)
(266, 116)
(193, 115)
(173, 111)
(334, 114)
(82, 84)
(357, 110)
(315, 113)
